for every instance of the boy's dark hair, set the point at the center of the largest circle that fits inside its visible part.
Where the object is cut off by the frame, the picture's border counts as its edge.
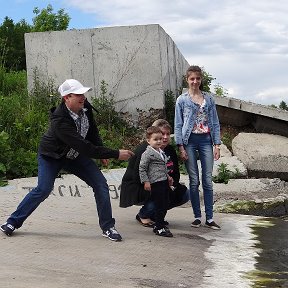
(151, 130)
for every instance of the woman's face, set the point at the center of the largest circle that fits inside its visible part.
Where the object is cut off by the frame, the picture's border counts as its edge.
(194, 80)
(166, 137)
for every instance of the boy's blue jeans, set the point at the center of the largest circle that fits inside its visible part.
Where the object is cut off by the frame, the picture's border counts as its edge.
(48, 169)
(200, 144)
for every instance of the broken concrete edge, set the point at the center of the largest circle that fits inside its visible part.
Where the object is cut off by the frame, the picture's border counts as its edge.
(271, 207)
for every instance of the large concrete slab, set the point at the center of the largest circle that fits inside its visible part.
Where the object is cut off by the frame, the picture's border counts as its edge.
(139, 63)
(264, 119)
(252, 108)
(264, 155)
(60, 245)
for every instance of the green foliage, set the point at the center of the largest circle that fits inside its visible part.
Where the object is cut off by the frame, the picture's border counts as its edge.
(12, 46)
(283, 105)
(107, 117)
(224, 174)
(170, 107)
(23, 120)
(4, 156)
(12, 43)
(207, 80)
(182, 167)
(114, 131)
(113, 139)
(273, 106)
(220, 91)
(45, 91)
(12, 82)
(23, 163)
(46, 20)
(227, 140)
(105, 105)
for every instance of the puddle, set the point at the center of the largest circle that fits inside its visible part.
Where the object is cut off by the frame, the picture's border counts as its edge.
(271, 268)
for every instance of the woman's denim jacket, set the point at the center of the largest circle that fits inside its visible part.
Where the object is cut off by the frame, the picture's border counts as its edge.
(185, 116)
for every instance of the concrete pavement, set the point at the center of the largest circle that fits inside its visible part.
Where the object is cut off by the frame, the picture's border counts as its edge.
(60, 245)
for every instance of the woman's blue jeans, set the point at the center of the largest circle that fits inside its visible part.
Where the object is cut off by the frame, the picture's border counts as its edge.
(200, 145)
(48, 169)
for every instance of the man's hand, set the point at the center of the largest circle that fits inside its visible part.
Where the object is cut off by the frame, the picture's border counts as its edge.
(104, 162)
(125, 154)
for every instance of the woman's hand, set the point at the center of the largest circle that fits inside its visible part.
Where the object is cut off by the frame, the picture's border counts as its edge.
(147, 186)
(216, 152)
(183, 153)
(170, 180)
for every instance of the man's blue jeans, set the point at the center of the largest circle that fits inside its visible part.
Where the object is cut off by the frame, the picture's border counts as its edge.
(200, 145)
(48, 169)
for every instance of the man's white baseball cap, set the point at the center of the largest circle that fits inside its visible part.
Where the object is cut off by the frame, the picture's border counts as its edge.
(72, 86)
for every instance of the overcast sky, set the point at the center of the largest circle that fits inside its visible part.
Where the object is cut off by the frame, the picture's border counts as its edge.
(243, 44)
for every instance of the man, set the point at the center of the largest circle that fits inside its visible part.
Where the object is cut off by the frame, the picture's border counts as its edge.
(70, 142)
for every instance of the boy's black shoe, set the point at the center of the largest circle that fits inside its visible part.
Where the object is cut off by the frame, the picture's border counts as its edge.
(196, 223)
(7, 229)
(112, 234)
(212, 225)
(166, 223)
(164, 232)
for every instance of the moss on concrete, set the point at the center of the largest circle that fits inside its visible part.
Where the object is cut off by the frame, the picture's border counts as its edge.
(267, 279)
(265, 208)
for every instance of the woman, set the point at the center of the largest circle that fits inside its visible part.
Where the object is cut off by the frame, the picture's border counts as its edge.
(197, 133)
(132, 191)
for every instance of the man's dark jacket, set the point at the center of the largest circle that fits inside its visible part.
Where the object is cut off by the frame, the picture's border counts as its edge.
(62, 135)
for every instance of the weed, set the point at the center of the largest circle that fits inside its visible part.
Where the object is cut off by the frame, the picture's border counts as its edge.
(224, 174)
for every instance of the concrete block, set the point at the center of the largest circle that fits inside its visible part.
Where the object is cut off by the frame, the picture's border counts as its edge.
(264, 155)
(139, 63)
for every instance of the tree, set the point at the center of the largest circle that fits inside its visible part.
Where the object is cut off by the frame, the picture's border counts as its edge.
(46, 20)
(220, 91)
(12, 46)
(283, 105)
(207, 80)
(273, 106)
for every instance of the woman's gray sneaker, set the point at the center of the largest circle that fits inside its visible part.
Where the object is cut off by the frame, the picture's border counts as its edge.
(212, 225)
(196, 223)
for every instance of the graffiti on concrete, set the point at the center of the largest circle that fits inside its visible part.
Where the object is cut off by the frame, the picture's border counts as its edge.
(78, 190)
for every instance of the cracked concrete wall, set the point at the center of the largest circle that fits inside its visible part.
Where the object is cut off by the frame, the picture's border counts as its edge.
(139, 63)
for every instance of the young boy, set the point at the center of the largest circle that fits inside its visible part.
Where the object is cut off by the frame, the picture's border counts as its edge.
(153, 173)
